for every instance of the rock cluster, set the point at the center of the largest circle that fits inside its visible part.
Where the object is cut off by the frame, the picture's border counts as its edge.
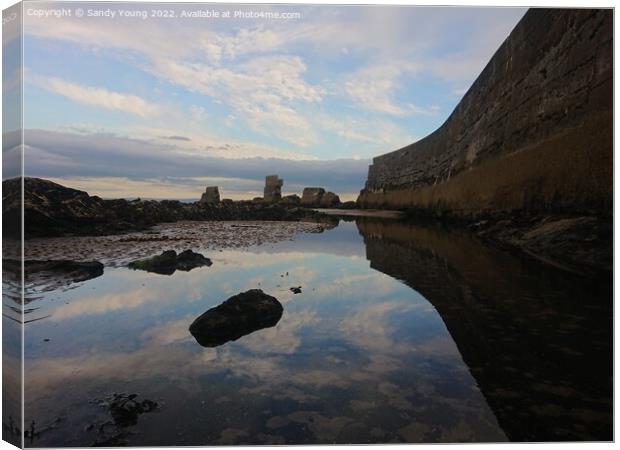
(317, 197)
(51, 209)
(292, 199)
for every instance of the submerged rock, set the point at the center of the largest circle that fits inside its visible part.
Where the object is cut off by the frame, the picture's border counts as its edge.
(125, 410)
(169, 262)
(238, 316)
(296, 290)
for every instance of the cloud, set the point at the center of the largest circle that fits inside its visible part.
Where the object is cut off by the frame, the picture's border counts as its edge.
(381, 133)
(275, 79)
(267, 92)
(202, 143)
(63, 156)
(12, 80)
(177, 138)
(375, 87)
(100, 97)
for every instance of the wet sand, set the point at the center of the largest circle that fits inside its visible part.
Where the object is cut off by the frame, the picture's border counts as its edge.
(383, 213)
(118, 250)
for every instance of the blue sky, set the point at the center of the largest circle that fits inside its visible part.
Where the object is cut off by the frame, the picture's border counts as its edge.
(204, 99)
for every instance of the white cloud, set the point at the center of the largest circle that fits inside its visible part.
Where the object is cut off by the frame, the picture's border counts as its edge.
(267, 92)
(198, 113)
(378, 135)
(100, 97)
(160, 163)
(375, 88)
(260, 72)
(198, 142)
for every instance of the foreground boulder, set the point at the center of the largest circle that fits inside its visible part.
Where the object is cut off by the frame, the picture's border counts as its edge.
(169, 262)
(238, 316)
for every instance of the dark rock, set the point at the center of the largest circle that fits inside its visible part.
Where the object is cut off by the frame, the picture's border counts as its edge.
(169, 262)
(125, 409)
(238, 316)
(292, 199)
(349, 205)
(273, 189)
(211, 195)
(311, 196)
(314, 197)
(329, 200)
(52, 274)
(296, 290)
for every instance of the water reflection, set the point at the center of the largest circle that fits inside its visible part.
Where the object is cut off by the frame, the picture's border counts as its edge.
(357, 357)
(538, 341)
(12, 318)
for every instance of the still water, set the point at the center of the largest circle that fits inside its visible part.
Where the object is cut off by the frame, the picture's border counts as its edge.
(402, 333)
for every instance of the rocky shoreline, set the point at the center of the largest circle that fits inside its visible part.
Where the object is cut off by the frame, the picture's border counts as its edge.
(115, 250)
(53, 210)
(581, 243)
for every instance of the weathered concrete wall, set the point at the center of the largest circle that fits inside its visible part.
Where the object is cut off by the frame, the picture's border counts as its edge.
(534, 131)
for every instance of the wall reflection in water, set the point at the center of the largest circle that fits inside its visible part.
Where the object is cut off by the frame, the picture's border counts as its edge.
(401, 334)
(538, 341)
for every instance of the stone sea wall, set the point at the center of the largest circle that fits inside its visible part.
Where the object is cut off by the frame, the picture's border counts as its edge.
(534, 131)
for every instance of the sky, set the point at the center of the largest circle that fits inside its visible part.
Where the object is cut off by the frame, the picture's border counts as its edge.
(160, 107)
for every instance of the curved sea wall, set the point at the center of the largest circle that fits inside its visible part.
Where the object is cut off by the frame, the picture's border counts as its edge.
(534, 131)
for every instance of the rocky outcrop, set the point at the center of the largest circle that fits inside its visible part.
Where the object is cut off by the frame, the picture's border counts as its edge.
(169, 262)
(292, 199)
(533, 133)
(576, 243)
(329, 200)
(211, 195)
(311, 196)
(51, 209)
(238, 316)
(273, 189)
(317, 197)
